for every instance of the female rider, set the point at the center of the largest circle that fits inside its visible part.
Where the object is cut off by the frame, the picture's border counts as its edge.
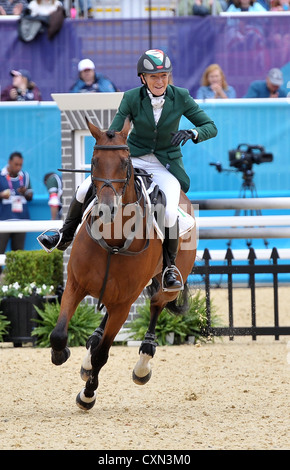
(155, 110)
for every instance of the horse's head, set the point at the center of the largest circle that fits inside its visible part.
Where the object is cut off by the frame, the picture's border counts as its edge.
(111, 169)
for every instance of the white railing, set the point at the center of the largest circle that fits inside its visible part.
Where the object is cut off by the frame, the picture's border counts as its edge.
(245, 226)
(19, 226)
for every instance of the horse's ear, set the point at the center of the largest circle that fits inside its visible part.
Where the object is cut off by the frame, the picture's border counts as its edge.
(126, 128)
(95, 131)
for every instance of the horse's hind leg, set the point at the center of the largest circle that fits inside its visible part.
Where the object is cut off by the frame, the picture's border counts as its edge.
(92, 343)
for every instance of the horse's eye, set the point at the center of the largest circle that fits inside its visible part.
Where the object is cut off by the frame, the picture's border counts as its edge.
(94, 162)
(124, 164)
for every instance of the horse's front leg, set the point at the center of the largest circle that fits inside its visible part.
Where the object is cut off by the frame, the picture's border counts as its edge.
(58, 338)
(92, 343)
(99, 353)
(142, 371)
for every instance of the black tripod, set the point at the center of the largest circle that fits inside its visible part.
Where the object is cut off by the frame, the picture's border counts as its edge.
(248, 186)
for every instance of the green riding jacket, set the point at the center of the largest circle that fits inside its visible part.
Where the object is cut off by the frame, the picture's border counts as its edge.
(148, 137)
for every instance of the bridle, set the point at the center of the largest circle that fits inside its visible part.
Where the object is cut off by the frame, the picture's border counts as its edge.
(108, 182)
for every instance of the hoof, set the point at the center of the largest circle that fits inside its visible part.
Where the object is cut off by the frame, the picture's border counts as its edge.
(59, 357)
(141, 380)
(85, 403)
(85, 373)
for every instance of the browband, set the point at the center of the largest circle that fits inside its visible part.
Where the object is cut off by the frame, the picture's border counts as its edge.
(111, 147)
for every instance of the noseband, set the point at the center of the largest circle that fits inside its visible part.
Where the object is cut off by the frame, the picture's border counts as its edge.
(108, 182)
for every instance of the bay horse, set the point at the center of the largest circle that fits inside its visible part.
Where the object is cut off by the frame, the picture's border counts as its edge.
(116, 268)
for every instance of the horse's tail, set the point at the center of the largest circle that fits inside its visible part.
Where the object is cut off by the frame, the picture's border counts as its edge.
(179, 306)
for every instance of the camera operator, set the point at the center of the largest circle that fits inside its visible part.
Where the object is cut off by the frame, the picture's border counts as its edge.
(22, 88)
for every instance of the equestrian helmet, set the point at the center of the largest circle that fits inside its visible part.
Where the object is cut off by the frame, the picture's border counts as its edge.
(153, 61)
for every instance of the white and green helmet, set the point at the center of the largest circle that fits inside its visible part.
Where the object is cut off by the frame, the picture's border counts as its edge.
(154, 61)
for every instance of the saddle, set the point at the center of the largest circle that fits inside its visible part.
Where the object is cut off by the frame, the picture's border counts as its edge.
(156, 196)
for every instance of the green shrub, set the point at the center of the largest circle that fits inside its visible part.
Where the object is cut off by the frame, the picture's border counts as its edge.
(81, 326)
(192, 323)
(3, 326)
(35, 266)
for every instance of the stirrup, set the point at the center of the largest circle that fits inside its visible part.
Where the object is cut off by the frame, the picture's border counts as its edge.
(174, 268)
(49, 250)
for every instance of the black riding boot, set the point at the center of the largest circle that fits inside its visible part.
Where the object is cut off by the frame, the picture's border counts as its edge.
(73, 218)
(170, 248)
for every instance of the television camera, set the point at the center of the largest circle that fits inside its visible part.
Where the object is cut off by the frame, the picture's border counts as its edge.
(243, 158)
(245, 155)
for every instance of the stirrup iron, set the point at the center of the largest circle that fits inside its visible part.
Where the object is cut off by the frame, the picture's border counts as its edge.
(174, 268)
(54, 247)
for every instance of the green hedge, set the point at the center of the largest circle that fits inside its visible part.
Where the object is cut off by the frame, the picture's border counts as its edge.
(34, 266)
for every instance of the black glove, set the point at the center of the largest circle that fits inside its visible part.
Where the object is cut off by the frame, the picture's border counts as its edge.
(182, 136)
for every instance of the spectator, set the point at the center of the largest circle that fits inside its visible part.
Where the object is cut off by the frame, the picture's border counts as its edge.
(89, 81)
(280, 5)
(201, 7)
(12, 7)
(22, 88)
(88, 5)
(44, 7)
(41, 16)
(73, 11)
(245, 5)
(206, 7)
(269, 88)
(53, 185)
(15, 192)
(214, 84)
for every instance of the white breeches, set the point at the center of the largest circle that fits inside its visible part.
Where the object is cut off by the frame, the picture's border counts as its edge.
(166, 182)
(83, 189)
(161, 176)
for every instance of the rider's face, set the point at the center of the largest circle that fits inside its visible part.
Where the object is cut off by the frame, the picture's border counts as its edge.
(156, 82)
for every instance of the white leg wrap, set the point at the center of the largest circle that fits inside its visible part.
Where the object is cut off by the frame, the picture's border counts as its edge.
(87, 399)
(143, 367)
(87, 360)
